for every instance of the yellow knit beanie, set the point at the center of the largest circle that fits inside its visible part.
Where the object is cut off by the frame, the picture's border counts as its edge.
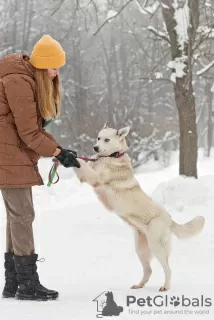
(47, 53)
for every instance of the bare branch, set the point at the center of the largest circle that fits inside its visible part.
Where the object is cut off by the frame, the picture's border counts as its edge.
(205, 36)
(86, 5)
(107, 20)
(156, 79)
(165, 53)
(159, 34)
(143, 8)
(57, 7)
(145, 3)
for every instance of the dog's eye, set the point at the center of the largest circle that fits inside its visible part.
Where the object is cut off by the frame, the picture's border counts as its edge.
(98, 138)
(107, 140)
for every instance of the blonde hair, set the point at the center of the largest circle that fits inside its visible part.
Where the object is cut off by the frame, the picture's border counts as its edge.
(48, 94)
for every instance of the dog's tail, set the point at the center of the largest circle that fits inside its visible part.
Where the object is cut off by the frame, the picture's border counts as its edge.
(189, 229)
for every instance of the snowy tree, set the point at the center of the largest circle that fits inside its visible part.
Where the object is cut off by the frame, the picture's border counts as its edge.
(128, 62)
(182, 19)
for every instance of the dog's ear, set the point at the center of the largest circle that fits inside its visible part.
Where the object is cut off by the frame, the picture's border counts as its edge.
(105, 125)
(123, 132)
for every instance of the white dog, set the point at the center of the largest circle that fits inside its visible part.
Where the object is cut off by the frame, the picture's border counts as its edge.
(110, 173)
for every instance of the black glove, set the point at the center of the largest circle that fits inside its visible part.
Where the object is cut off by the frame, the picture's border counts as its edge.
(74, 152)
(68, 158)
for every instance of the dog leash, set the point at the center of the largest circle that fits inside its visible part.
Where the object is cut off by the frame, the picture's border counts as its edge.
(53, 172)
(113, 155)
(87, 159)
(56, 163)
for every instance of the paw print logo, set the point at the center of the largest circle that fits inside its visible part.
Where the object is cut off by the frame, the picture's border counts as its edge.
(175, 301)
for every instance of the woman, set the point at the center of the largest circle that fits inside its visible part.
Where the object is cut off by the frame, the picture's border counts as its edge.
(29, 99)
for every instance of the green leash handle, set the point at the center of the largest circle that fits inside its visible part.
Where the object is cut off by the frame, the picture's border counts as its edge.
(53, 172)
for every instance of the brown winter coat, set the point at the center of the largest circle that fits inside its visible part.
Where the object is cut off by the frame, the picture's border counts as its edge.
(22, 139)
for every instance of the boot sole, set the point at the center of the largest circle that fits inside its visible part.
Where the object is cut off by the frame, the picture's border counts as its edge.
(8, 295)
(27, 297)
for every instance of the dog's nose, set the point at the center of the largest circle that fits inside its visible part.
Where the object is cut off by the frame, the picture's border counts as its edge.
(96, 148)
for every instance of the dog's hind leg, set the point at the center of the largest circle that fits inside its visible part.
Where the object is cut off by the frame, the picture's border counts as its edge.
(159, 239)
(144, 255)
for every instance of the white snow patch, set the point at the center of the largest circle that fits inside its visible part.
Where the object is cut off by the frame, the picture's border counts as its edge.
(158, 75)
(208, 3)
(151, 9)
(196, 56)
(180, 190)
(181, 17)
(111, 14)
(164, 5)
(178, 65)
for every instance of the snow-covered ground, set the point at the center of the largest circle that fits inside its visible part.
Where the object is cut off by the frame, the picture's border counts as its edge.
(89, 250)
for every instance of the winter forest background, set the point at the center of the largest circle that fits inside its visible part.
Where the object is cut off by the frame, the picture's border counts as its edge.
(144, 63)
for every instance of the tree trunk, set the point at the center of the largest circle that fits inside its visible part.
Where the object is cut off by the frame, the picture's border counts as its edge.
(184, 96)
(185, 103)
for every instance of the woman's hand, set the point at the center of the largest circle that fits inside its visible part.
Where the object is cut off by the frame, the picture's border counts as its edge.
(67, 158)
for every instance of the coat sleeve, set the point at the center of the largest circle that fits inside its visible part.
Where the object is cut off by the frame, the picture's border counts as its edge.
(50, 136)
(20, 96)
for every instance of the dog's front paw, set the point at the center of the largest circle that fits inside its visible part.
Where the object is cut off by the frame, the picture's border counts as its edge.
(79, 174)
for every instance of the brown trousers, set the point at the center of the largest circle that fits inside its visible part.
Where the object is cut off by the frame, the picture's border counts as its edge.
(20, 216)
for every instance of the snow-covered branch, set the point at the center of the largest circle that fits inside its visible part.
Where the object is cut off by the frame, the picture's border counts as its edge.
(206, 68)
(159, 34)
(111, 14)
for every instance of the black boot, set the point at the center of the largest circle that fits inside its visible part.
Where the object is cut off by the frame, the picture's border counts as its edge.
(29, 287)
(11, 285)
